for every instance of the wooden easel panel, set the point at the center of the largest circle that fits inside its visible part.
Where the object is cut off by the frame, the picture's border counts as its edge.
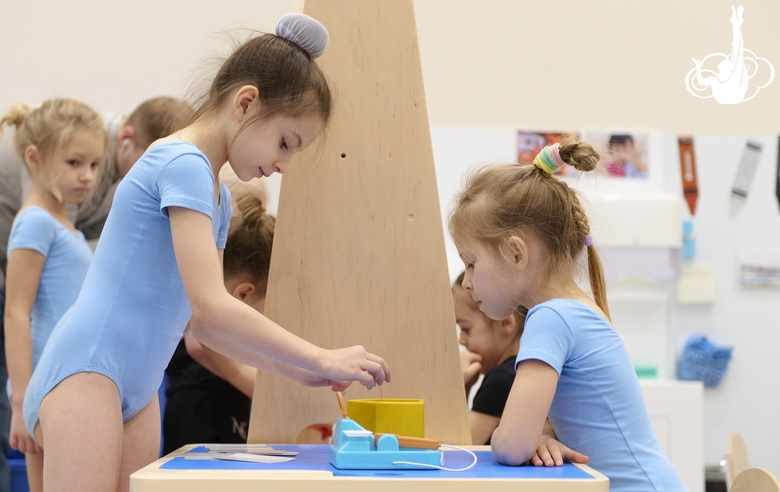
(359, 253)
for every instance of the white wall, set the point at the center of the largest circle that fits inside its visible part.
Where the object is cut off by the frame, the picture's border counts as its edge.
(492, 63)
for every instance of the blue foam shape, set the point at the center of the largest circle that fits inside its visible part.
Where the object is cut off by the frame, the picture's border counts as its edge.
(315, 457)
(360, 453)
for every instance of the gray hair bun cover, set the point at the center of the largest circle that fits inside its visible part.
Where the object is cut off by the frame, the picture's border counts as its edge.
(307, 33)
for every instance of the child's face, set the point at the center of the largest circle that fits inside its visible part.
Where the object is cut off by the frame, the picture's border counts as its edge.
(77, 164)
(488, 281)
(478, 333)
(266, 146)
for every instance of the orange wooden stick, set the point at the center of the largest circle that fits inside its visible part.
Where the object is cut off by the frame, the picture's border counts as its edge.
(411, 442)
(341, 404)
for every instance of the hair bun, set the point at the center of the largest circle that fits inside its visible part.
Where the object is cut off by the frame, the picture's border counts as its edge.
(304, 31)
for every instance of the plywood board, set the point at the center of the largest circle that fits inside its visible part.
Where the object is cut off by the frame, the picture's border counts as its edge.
(359, 254)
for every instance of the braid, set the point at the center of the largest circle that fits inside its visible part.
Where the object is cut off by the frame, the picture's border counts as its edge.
(595, 270)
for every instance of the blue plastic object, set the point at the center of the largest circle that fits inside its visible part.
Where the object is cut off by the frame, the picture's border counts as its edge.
(353, 448)
(702, 360)
(688, 242)
(18, 472)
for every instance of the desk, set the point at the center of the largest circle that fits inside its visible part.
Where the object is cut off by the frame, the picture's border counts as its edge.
(312, 471)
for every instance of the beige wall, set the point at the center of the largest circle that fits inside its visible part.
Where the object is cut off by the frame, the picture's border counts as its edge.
(558, 64)
(595, 64)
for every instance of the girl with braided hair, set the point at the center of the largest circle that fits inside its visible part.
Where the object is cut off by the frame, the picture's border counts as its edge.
(520, 232)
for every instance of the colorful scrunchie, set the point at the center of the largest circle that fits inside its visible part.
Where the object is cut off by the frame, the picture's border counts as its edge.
(549, 159)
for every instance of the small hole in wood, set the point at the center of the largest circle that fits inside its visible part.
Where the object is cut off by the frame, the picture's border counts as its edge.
(343, 156)
(411, 216)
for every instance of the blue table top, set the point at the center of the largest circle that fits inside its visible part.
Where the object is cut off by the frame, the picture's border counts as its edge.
(315, 457)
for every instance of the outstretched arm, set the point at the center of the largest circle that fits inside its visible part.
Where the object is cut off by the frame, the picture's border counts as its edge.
(240, 376)
(234, 329)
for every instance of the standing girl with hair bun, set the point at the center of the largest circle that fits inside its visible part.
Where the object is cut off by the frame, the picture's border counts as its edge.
(520, 232)
(62, 144)
(210, 396)
(92, 402)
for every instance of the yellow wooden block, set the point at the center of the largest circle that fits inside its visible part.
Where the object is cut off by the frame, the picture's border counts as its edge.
(403, 417)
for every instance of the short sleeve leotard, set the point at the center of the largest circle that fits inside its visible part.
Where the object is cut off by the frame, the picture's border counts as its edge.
(132, 308)
(598, 408)
(67, 258)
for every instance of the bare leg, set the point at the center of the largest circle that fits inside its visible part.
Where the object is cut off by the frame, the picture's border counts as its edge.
(81, 423)
(34, 463)
(141, 443)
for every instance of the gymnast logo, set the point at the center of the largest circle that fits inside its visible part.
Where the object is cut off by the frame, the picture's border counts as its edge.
(735, 70)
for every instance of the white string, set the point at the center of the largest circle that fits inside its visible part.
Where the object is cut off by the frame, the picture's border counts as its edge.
(443, 467)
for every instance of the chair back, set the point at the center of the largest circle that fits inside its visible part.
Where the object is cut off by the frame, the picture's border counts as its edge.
(738, 457)
(755, 480)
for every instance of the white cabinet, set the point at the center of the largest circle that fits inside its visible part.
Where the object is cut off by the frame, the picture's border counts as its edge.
(676, 411)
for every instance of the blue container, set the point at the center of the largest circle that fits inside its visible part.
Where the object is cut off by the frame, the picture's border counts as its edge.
(18, 472)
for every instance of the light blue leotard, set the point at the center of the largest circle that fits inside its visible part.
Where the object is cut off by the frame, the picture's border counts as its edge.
(132, 308)
(67, 258)
(598, 408)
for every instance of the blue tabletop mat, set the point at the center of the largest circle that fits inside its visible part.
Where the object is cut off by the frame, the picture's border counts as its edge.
(315, 457)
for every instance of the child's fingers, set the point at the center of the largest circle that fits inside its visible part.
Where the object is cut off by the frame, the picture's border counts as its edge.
(376, 371)
(382, 364)
(340, 386)
(545, 456)
(574, 456)
(535, 460)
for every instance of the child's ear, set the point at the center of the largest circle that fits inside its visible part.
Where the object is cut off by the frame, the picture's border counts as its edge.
(246, 96)
(243, 290)
(518, 252)
(127, 132)
(32, 158)
(508, 325)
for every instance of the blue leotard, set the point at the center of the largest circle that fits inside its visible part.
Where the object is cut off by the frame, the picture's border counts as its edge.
(67, 258)
(598, 408)
(132, 308)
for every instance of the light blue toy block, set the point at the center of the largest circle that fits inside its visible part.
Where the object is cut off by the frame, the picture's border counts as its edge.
(353, 448)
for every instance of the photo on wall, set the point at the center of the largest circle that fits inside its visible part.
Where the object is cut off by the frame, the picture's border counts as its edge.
(623, 154)
(529, 144)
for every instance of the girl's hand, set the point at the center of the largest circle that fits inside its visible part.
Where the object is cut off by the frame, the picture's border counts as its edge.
(470, 366)
(353, 364)
(308, 378)
(551, 452)
(19, 438)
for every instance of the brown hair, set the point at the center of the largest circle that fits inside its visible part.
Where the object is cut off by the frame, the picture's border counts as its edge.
(289, 82)
(249, 242)
(520, 311)
(157, 118)
(50, 126)
(501, 201)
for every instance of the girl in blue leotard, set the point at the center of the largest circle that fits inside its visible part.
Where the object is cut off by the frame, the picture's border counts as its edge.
(62, 143)
(91, 403)
(520, 232)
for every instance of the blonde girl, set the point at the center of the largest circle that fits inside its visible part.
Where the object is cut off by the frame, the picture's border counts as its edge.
(520, 232)
(62, 144)
(91, 403)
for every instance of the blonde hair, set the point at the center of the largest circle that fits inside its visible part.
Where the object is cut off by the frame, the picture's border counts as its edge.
(249, 242)
(498, 202)
(50, 127)
(157, 118)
